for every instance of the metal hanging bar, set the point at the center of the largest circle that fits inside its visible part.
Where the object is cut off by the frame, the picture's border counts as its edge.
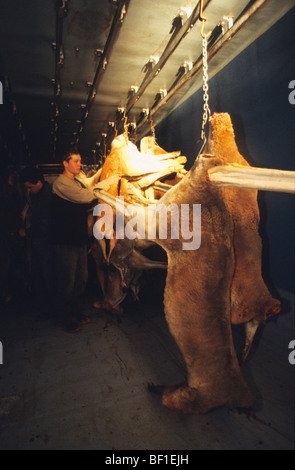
(121, 10)
(61, 11)
(170, 48)
(237, 26)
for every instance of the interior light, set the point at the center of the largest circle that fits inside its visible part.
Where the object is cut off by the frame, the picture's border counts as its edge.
(188, 65)
(227, 23)
(185, 13)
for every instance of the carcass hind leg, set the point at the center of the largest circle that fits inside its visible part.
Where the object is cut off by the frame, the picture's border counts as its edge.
(250, 330)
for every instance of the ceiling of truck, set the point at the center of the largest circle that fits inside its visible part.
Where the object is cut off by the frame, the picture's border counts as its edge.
(80, 71)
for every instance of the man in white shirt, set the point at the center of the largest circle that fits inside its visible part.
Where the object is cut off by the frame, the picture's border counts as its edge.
(71, 204)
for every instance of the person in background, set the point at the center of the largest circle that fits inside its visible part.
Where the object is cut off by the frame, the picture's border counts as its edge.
(14, 266)
(71, 203)
(39, 193)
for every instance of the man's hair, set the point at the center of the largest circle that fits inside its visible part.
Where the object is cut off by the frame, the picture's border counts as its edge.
(31, 174)
(68, 153)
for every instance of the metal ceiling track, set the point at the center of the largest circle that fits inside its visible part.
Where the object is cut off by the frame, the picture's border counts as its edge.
(61, 12)
(197, 67)
(170, 48)
(173, 43)
(180, 32)
(121, 10)
(9, 114)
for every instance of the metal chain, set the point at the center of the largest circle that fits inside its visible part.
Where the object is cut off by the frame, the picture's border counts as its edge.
(125, 127)
(206, 108)
(152, 128)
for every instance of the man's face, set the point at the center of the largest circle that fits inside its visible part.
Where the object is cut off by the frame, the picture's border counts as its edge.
(33, 188)
(74, 165)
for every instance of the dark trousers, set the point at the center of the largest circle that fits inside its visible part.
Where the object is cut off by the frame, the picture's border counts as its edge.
(42, 276)
(70, 278)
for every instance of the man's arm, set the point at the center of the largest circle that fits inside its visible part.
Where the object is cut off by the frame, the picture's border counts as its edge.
(72, 191)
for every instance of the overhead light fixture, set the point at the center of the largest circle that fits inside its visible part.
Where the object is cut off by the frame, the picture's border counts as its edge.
(93, 95)
(188, 65)
(123, 13)
(61, 57)
(148, 66)
(185, 11)
(227, 23)
(180, 18)
(105, 63)
(154, 59)
(161, 94)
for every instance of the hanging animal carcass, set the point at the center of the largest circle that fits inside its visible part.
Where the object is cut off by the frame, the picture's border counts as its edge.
(204, 292)
(251, 301)
(119, 263)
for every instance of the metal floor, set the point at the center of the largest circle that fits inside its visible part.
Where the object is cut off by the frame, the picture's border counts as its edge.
(88, 390)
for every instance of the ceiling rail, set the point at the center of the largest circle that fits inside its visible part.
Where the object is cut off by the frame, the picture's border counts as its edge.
(197, 67)
(61, 12)
(121, 10)
(170, 48)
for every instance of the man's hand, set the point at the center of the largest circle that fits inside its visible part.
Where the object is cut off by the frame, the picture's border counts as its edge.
(107, 183)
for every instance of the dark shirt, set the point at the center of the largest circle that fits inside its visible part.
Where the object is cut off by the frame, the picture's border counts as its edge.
(41, 213)
(69, 222)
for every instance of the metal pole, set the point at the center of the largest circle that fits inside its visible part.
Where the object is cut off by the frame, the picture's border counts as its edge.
(116, 24)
